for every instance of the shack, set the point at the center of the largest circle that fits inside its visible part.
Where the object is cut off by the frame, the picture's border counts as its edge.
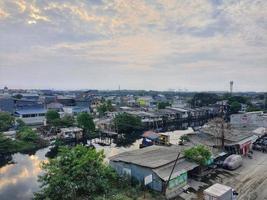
(155, 162)
(70, 133)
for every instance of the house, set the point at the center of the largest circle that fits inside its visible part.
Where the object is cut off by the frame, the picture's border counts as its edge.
(156, 162)
(146, 101)
(74, 110)
(35, 116)
(236, 140)
(55, 106)
(70, 133)
(173, 137)
(183, 113)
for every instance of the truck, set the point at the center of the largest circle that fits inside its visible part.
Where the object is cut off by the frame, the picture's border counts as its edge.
(219, 192)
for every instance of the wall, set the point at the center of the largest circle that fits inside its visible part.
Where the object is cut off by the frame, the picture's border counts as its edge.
(139, 173)
(246, 119)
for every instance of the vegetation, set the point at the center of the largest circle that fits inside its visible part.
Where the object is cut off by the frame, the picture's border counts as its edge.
(20, 123)
(105, 107)
(85, 121)
(127, 123)
(66, 121)
(203, 99)
(79, 173)
(235, 107)
(184, 138)
(128, 126)
(6, 121)
(26, 140)
(52, 117)
(163, 105)
(200, 154)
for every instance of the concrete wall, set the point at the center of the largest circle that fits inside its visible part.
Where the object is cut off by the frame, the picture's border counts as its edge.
(246, 119)
(33, 120)
(139, 173)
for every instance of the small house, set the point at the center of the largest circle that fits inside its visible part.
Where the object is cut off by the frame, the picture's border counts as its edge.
(157, 163)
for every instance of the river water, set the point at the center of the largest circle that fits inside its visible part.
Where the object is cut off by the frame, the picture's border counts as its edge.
(18, 180)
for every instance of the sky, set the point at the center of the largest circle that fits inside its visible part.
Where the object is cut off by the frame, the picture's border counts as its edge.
(198, 45)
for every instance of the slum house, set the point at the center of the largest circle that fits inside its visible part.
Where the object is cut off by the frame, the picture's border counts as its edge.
(237, 140)
(70, 134)
(148, 119)
(155, 162)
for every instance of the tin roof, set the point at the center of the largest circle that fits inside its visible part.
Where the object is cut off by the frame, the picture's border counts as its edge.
(151, 157)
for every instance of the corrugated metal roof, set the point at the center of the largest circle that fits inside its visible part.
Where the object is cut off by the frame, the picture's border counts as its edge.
(152, 156)
(31, 111)
(181, 166)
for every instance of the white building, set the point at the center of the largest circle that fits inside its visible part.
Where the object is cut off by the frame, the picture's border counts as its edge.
(31, 116)
(258, 119)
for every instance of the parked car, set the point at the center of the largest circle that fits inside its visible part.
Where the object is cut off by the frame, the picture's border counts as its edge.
(232, 162)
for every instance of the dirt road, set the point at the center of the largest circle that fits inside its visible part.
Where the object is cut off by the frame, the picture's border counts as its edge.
(250, 180)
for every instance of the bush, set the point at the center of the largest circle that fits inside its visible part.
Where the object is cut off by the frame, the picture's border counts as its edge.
(200, 154)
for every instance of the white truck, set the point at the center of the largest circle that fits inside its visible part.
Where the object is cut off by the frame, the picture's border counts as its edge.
(219, 192)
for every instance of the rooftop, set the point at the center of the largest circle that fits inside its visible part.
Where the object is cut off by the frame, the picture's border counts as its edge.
(151, 157)
(31, 111)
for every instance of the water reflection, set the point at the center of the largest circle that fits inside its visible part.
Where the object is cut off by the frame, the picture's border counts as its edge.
(19, 179)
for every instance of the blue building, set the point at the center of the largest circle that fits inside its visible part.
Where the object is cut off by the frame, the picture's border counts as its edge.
(155, 162)
(7, 104)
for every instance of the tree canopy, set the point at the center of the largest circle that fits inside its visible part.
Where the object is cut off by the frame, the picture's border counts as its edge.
(85, 121)
(235, 107)
(200, 154)
(104, 107)
(6, 121)
(52, 117)
(203, 99)
(27, 134)
(163, 105)
(127, 123)
(77, 173)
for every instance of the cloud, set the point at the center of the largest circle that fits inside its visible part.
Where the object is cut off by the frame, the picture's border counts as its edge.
(136, 37)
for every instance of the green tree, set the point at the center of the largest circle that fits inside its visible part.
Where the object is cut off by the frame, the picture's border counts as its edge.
(77, 173)
(67, 121)
(163, 105)
(127, 123)
(52, 117)
(184, 138)
(20, 123)
(200, 154)
(27, 134)
(105, 107)
(203, 99)
(235, 107)
(85, 121)
(5, 144)
(6, 121)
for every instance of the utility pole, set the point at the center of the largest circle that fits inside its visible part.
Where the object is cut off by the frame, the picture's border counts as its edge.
(167, 183)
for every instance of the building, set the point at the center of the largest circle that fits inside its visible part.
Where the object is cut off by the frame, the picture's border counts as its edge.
(218, 192)
(31, 116)
(7, 104)
(74, 110)
(236, 140)
(156, 162)
(258, 119)
(70, 133)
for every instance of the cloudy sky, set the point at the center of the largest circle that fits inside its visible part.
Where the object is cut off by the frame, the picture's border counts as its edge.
(137, 44)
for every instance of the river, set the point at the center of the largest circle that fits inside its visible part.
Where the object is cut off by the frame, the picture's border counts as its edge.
(18, 180)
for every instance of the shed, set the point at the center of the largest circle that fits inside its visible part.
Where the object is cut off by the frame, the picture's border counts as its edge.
(157, 161)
